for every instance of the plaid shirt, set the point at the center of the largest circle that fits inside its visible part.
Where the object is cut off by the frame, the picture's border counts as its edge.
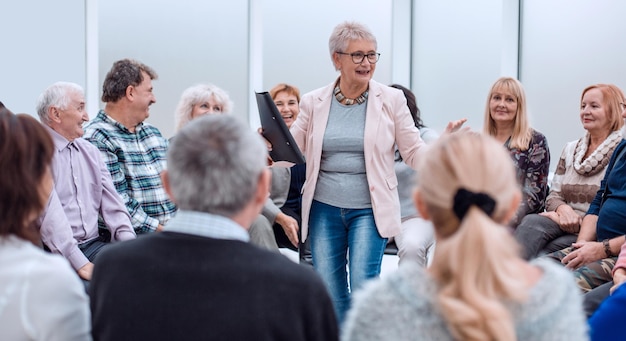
(134, 161)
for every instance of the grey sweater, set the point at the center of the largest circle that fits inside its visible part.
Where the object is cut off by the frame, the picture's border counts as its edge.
(403, 306)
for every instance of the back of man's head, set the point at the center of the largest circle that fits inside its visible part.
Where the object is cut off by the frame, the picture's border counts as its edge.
(215, 164)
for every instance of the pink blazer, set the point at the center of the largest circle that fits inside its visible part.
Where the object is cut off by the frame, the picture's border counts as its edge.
(387, 122)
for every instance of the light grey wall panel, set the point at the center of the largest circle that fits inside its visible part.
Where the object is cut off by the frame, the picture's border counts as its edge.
(185, 41)
(457, 55)
(42, 42)
(295, 39)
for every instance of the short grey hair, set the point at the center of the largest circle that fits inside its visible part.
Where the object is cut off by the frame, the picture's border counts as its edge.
(215, 164)
(56, 95)
(346, 32)
(197, 94)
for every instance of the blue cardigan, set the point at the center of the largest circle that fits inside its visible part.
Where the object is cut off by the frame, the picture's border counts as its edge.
(611, 211)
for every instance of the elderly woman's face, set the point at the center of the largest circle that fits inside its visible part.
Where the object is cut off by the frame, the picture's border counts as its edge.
(287, 106)
(353, 74)
(210, 106)
(593, 113)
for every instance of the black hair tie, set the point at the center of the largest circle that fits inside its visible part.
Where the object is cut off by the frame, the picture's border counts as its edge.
(464, 199)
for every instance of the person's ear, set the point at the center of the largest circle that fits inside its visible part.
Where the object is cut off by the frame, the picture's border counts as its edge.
(420, 205)
(263, 188)
(130, 92)
(54, 114)
(336, 60)
(517, 198)
(166, 185)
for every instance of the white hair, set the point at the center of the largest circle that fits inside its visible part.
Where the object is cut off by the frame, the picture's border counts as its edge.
(56, 95)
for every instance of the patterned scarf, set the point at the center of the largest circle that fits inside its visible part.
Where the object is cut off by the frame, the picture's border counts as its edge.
(599, 158)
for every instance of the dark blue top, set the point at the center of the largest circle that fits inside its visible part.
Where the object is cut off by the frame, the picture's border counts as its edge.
(607, 322)
(610, 207)
(294, 198)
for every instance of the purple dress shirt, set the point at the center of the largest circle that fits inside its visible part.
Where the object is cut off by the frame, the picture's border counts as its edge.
(83, 190)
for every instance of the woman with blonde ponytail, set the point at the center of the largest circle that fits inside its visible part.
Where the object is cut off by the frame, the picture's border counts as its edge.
(478, 287)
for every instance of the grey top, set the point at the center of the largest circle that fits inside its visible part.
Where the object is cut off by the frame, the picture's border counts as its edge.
(279, 191)
(406, 178)
(403, 306)
(342, 181)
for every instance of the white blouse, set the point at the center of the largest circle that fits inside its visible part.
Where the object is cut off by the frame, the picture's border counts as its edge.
(41, 297)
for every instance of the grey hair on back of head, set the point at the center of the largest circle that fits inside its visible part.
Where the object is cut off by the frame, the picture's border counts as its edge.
(215, 164)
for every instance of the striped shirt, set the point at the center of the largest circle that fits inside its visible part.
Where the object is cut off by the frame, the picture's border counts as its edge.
(207, 225)
(135, 161)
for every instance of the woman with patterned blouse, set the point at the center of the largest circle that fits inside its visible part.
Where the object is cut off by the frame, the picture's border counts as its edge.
(578, 174)
(507, 121)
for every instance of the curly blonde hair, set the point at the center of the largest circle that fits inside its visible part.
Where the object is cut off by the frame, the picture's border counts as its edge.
(197, 94)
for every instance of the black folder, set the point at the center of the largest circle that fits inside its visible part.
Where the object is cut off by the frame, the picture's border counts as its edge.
(284, 148)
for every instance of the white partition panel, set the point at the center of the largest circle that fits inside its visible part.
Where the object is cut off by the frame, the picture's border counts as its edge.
(185, 41)
(42, 42)
(566, 46)
(295, 39)
(458, 52)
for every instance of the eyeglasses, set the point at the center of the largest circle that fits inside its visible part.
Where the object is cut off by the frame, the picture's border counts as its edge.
(358, 57)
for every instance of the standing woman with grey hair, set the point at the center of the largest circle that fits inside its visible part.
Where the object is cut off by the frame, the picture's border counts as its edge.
(201, 99)
(347, 131)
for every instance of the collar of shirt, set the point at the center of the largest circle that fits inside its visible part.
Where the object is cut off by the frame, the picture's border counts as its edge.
(59, 141)
(206, 225)
(106, 118)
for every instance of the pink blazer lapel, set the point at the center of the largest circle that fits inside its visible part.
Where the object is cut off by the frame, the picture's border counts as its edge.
(372, 120)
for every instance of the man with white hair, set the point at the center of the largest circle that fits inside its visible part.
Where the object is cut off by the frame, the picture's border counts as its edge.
(83, 190)
(200, 279)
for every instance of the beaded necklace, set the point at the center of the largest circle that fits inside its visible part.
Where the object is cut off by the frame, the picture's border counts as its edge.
(349, 101)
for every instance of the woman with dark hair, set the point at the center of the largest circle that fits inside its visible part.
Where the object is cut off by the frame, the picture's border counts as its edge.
(416, 241)
(41, 298)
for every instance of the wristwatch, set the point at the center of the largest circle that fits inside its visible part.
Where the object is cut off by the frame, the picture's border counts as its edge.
(607, 248)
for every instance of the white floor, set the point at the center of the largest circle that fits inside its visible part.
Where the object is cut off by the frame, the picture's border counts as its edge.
(390, 262)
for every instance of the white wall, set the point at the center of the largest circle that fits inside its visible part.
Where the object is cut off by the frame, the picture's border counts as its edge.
(186, 42)
(459, 49)
(208, 41)
(295, 39)
(41, 42)
(566, 46)
(450, 53)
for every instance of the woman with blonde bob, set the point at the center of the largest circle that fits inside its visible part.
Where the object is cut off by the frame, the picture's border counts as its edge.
(201, 99)
(507, 121)
(477, 287)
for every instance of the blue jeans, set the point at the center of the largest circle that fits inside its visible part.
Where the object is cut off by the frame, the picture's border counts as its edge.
(338, 234)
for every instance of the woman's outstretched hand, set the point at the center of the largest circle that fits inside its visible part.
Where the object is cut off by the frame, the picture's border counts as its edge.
(454, 126)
